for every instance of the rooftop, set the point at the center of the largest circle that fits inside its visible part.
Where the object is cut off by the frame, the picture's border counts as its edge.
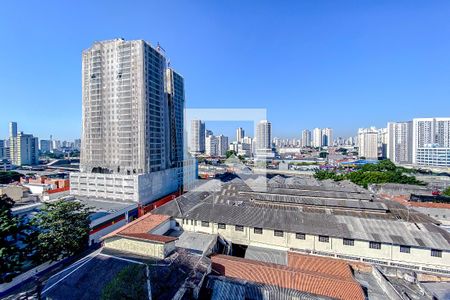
(318, 283)
(141, 228)
(378, 220)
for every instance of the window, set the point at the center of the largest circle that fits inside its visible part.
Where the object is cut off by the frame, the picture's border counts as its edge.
(278, 233)
(239, 228)
(222, 226)
(348, 242)
(205, 224)
(436, 253)
(324, 239)
(374, 245)
(300, 236)
(405, 249)
(257, 230)
(192, 222)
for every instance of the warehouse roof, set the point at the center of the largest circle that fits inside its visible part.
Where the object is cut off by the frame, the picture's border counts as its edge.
(400, 227)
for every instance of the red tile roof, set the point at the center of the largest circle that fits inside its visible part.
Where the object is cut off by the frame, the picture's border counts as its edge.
(141, 228)
(326, 266)
(287, 277)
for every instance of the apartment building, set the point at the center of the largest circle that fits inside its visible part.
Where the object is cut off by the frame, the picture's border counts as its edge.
(431, 142)
(132, 123)
(368, 143)
(399, 149)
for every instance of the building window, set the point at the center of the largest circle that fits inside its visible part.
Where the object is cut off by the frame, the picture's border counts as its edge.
(222, 226)
(205, 224)
(192, 222)
(278, 233)
(436, 253)
(239, 228)
(375, 245)
(405, 249)
(348, 242)
(324, 239)
(258, 230)
(300, 236)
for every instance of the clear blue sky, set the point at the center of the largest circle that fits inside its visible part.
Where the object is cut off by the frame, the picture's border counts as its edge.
(342, 64)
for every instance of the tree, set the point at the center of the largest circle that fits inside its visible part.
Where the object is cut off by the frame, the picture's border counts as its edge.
(130, 283)
(9, 176)
(229, 153)
(446, 192)
(323, 154)
(63, 230)
(11, 256)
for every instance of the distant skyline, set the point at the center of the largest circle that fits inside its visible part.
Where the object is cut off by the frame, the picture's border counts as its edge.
(339, 64)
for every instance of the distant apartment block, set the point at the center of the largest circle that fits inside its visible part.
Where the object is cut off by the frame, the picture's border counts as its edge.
(306, 138)
(45, 146)
(382, 142)
(24, 148)
(399, 142)
(264, 138)
(198, 135)
(132, 123)
(327, 137)
(211, 145)
(240, 134)
(317, 137)
(222, 145)
(431, 142)
(368, 143)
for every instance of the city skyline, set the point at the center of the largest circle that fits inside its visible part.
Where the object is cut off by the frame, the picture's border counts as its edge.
(367, 70)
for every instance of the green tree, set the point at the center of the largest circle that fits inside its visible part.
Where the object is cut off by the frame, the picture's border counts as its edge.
(63, 230)
(323, 154)
(11, 256)
(130, 283)
(229, 153)
(446, 192)
(9, 176)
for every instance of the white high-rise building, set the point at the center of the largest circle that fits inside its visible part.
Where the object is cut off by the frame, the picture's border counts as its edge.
(317, 138)
(222, 145)
(132, 123)
(327, 137)
(198, 135)
(399, 142)
(239, 134)
(211, 145)
(23, 148)
(431, 141)
(306, 138)
(368, 143)
(382, 142)
(264, 136)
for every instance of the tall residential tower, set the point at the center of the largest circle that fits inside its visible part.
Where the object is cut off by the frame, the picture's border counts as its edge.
(132, 123)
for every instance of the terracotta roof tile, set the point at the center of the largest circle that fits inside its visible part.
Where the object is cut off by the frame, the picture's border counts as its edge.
(287, 277)
(326, 266)
(144, 224)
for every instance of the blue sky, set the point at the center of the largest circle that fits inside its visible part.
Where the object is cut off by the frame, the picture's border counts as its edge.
(341, 64)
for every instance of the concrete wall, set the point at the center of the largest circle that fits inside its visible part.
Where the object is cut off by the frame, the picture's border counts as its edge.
(360, 250)
(143, 188)
(143, 248)
(13, 192)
